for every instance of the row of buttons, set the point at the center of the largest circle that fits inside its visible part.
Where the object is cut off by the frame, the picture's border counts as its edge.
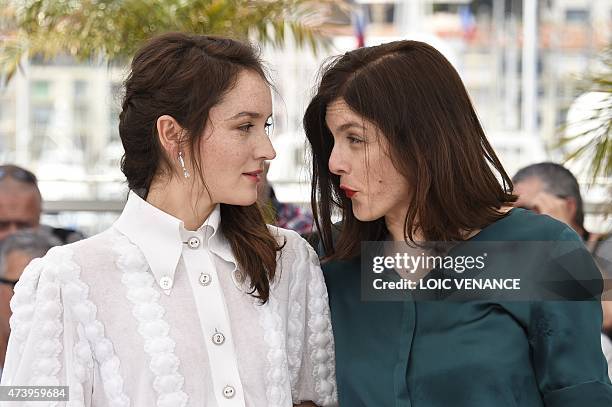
(218, 338)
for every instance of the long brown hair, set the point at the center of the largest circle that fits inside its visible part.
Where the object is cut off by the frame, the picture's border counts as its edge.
(184, 76)
(417, 100)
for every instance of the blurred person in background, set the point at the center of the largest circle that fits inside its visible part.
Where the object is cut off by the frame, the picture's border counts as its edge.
(17, 251)
(21, 205)
(551, 189)
(284, 215)
(20, 200)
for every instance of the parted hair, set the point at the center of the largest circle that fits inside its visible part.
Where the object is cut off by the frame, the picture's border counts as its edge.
(418, 102)
(184, 76)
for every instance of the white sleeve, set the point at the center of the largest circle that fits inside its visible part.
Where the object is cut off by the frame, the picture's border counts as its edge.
(47, 347)
(310, 342)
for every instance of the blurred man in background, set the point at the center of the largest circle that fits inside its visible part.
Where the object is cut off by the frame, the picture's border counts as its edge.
(20, 200)
(21, 205)
(18, 249)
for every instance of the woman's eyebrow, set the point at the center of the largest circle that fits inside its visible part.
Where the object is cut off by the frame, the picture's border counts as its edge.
(346, 126)
(254, 115)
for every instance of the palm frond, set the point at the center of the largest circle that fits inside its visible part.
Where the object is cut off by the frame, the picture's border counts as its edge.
(590, 137)
(86, 29)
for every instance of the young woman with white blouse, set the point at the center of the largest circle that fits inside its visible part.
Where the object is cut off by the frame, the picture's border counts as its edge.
(189, 299)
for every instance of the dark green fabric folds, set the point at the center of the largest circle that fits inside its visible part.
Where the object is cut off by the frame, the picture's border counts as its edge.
(483, 353)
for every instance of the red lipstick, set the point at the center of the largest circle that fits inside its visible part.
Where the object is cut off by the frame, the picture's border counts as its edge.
(348, 191)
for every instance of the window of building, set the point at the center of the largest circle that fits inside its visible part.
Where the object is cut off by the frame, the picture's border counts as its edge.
(576, 15)
(80, 89)
(40, 89)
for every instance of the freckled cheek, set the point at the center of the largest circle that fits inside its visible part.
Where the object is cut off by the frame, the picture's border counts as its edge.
(376, 177)
(385, 184)
(222, 161)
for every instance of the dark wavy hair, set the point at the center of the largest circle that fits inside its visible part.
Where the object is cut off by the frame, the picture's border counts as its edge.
(417, 100)
(184, 76)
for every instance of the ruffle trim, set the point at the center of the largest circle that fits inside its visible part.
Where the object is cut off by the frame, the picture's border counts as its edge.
(275, 377)
(94, 343)
(321, 340)
(295, 332)
(23, 303)
(48, 316)
(62, 274)
(141, 292)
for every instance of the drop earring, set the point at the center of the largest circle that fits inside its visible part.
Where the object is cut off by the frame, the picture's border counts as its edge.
(182, 162)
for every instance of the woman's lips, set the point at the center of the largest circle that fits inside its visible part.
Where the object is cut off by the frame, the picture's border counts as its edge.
(255, 176)
(348, 191)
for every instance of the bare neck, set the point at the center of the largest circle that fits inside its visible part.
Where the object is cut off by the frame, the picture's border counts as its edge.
(182, 202)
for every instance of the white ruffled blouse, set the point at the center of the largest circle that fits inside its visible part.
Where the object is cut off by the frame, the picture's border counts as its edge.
(148, 313)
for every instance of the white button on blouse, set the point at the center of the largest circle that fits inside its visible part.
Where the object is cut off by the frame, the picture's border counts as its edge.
(218, 338)
(193, 242)
(205, 279)
(228, 392)
(165, 282)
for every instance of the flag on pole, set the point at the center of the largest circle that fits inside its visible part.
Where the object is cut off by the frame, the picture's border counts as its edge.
(468, 22)
(359, 23)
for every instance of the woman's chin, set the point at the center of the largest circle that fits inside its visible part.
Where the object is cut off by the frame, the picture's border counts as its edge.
(246, 199)
(363, 217)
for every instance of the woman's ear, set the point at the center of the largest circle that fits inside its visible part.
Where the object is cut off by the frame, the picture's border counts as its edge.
(572, 207)
(170, 134)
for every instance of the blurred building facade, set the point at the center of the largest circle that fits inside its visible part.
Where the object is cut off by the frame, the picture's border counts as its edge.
(60, 119)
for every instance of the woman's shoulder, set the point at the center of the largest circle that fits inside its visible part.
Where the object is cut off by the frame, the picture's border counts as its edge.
(524, 225)
(61, 261)
(297, 260)
(95, 242)
(292, 243)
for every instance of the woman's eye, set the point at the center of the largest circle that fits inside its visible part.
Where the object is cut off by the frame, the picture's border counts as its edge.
(354, 140)
(245, 127)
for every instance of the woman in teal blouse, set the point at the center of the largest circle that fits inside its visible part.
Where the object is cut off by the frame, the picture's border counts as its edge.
(399, 153)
